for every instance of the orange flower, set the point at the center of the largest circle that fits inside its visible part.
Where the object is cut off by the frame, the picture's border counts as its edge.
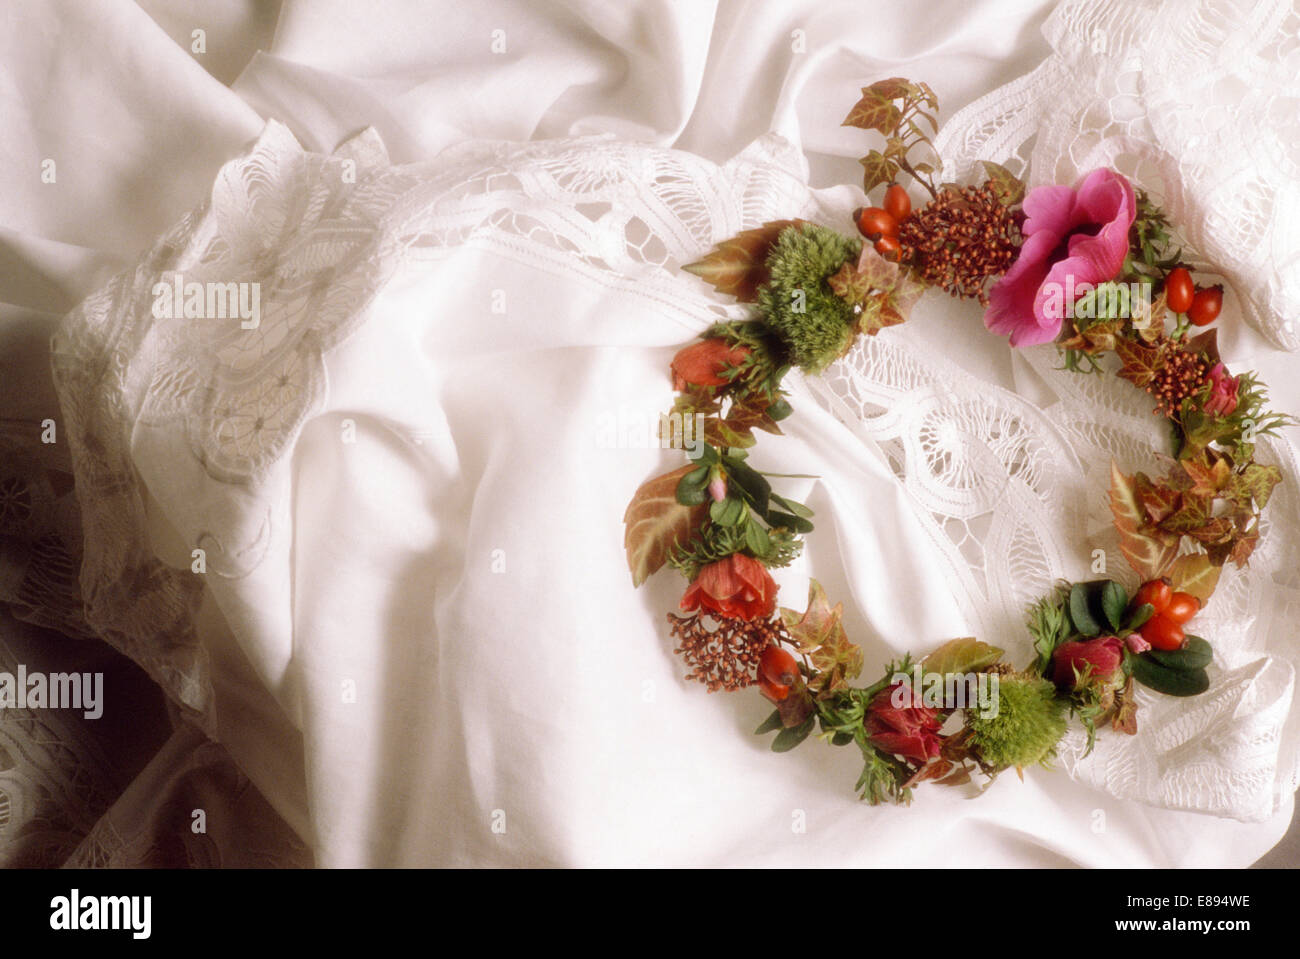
(703, 363)
(738, 587)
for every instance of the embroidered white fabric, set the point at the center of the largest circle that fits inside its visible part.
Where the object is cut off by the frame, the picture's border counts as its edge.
(195, 421)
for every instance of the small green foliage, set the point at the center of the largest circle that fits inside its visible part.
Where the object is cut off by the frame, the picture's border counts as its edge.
(715, 542)
(1050, 626)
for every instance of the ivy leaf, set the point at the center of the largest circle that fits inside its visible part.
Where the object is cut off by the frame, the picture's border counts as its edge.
(1149, 551)
(738, 266)
(1243, 547)
(851, 285)
(1009, 187)
(1140, 361)
(875, 111)
(1159, 502)
(1206, 478)
(1253, 484)
(877, 169)
(894, 88)
(820, 633)
(1195, 574)
(900, 300)
(655, 522)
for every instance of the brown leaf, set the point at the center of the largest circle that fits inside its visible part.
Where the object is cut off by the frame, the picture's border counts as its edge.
(1243, 547)
(1195, 574)
(1207, 343)
(1009, 187)
(877, 169)
(958, 777)
(738, 266)
(1148, 550)
(655, 522)
(1140, 361)
(1157, 501)
(1149, 322)
(874, 111)
(894, 88)
(1124, 717)
(797, 706)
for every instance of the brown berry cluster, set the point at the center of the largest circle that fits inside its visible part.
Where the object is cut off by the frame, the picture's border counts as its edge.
(724, 653)
(1180, 375)
(961, 239)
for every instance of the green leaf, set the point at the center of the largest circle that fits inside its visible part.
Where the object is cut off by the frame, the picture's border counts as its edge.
(1049, 624)
(1009, 187)
(841, 739)
(1114, 598)
(798, 509)
(1171, 682)
(795, 524)
(1080, 615)
(1140, 617)
(965, 655)
(779, 410)
(757, 540)
(704, 453)
(772, 722)
(751, 482)
(692, 490)
(1195, 654)
(727, 512)
(787, 739)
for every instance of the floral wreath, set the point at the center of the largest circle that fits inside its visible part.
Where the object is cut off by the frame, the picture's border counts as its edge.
(1090, 267)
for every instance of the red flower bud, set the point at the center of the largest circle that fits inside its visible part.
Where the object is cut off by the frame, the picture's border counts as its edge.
(1104, 654)
(703, 363)
(904, 730)
(737, 587)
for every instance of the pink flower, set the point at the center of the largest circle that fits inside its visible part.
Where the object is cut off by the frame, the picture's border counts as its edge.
(718, 488)
(1136, 643)
(1223, 392)
(1073, 236)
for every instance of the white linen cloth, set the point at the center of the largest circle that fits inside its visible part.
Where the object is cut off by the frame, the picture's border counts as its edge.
(419, 624)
